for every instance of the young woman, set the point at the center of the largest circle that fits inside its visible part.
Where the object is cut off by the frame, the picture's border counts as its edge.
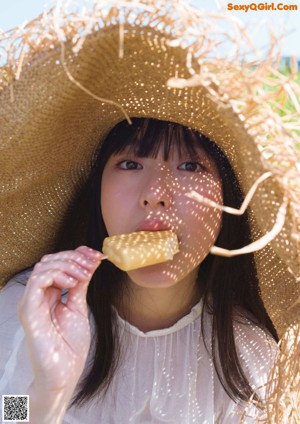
(126, 119)
(187, 339)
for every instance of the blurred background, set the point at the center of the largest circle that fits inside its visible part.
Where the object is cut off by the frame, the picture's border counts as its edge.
(285, 23)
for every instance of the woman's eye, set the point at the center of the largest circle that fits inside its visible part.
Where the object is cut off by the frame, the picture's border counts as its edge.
(129, 164)
(191, 167)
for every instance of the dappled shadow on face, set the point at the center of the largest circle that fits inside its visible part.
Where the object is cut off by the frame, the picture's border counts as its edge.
(162, 205)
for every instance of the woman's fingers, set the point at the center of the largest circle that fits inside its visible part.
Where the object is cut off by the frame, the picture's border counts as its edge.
(79, 264)
(77, 294)
(69, 267)
(54, 272)
(34, 294)
(58, 332)
(83, 255)
(91, 253)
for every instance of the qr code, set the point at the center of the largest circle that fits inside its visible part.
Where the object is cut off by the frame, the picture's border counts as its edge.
(15, 408)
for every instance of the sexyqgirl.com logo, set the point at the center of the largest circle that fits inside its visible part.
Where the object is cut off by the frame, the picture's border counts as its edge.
(261, 6)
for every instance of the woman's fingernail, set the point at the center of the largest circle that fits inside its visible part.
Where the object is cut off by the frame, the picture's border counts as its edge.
(95, 253)
(100, 257)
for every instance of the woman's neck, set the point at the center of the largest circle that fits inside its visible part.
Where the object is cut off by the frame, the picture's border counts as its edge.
(156, 308)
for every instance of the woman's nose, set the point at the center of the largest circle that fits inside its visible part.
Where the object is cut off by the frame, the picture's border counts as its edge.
(157, 193)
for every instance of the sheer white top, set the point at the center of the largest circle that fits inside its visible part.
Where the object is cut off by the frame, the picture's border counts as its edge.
(165, 376)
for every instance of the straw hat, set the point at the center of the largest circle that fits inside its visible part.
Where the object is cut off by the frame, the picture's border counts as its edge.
(70, 77)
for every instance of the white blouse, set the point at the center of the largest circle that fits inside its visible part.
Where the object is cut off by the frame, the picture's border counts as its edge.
(165, 376)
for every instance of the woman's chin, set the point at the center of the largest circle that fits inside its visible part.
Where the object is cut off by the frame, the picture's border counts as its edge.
(156, 276)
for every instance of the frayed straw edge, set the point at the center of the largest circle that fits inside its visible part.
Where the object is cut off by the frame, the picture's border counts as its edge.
(233, 211)
(258, 244)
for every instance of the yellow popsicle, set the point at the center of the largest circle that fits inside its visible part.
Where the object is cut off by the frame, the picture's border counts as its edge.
(140, 249)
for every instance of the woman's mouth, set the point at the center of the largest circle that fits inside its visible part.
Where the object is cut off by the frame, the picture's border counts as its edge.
(154, 225)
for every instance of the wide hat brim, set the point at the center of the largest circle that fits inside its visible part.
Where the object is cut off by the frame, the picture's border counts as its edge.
(55, 115)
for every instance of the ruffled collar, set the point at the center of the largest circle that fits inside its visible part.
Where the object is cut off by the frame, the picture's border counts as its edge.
(181, 323)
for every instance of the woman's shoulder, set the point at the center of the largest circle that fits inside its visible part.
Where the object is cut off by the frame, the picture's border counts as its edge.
(15, 371)
(248, 332)
(12, 292)
(10, 295)
(20, 278)
(257, 350)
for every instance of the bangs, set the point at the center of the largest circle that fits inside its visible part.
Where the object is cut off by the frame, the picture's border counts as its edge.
(146, 136)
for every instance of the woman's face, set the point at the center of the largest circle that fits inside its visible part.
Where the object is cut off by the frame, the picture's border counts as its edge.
(150, 194)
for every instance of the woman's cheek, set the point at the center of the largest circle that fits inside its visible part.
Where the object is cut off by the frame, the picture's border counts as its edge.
(209, 217)
(117, 202)
(202, 227)
(110, 206)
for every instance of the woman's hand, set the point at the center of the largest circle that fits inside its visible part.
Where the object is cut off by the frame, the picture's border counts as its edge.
(58, 334)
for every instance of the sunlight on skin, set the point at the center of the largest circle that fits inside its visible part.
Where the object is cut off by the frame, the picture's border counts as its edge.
(152, 196)
(157, 193)
(57, 334)
(132, 200)
(61, 342)
(146, 199)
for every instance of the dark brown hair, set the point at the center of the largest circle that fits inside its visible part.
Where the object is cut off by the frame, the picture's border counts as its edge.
(239, 288)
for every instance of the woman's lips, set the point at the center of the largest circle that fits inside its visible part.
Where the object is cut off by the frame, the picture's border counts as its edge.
(153, 225)
(156, 225)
